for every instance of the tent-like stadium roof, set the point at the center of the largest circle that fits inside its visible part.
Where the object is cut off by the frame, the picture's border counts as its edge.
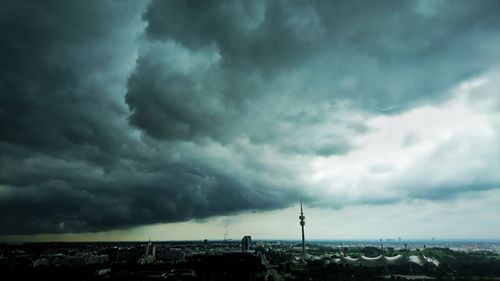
(381, 260)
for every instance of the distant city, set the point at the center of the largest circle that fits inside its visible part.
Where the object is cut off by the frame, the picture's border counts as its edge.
(228, 140)
(250, 259)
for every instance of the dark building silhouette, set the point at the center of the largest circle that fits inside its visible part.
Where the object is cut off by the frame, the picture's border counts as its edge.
(246, 243)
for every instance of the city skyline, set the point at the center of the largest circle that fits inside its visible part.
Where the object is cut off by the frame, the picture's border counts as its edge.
(173, 120)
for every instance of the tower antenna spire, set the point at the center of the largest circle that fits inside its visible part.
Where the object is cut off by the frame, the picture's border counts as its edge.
(302, 223)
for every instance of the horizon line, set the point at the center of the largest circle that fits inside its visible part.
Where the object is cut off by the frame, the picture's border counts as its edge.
(384, 240)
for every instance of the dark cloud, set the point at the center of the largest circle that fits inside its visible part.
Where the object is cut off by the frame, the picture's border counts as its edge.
(259, 35)
(70, 162)
(81, 199)
(118, 114)
(50, 99)
(379, 56)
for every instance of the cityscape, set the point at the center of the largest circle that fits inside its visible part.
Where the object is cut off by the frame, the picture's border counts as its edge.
(227, 259)
(253, 140)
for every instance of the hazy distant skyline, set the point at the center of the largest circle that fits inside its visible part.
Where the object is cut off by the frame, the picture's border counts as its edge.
(133, 120)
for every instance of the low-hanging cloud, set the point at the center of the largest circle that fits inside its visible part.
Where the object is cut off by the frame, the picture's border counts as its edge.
(119, 114)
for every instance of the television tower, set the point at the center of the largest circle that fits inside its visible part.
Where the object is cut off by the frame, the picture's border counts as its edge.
(302, 223)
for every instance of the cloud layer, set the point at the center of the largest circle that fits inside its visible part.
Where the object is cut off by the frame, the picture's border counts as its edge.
(119, 114)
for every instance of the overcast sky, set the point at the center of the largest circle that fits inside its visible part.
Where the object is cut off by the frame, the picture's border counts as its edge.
(134, 120)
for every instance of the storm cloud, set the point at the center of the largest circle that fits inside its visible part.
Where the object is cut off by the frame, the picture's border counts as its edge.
(116, 114)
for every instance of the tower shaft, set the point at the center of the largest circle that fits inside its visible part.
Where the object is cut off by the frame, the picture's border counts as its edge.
(303, 241)
(302, 223)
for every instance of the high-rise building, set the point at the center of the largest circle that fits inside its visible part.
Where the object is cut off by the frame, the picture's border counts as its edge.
(246, 243)
(302, 223)
(148, 248)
